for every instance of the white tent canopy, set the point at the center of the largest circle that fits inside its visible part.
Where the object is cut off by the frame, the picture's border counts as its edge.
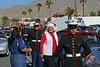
(60, 23)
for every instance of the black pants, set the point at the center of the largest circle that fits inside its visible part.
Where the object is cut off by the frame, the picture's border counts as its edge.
(60, 62)
(49, 61)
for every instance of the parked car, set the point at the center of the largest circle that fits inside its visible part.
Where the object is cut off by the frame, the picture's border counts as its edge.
(2, 35)
(92, 59)
(4, 47)
(7, 32)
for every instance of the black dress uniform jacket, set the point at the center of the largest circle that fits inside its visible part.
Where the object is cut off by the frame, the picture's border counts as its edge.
(25, 33)
(72, 45)
(35, 39)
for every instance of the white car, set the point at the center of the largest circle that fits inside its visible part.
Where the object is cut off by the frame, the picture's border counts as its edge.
(4, 47)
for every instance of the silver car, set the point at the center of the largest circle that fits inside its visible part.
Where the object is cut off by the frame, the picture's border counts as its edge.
(4, 47)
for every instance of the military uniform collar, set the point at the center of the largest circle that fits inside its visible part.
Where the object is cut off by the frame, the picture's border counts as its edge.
(73, 36)
(36, 30)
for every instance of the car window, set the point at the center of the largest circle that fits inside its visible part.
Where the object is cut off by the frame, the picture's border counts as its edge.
(2, 40)
(6, 28)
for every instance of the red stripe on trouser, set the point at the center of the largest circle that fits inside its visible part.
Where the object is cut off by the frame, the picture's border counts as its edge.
(74, 62)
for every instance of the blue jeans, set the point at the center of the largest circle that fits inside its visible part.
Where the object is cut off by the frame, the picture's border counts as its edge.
(18, 60)
(34, 58)
(27, 45)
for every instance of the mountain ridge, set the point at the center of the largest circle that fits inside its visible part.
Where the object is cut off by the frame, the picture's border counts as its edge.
(58, 6)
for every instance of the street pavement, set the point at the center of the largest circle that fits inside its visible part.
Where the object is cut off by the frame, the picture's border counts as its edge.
(5, 61)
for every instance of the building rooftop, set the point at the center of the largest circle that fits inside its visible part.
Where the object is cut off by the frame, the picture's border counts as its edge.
(59, 13)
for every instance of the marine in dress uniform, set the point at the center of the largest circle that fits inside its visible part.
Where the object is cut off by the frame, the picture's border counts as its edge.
(25, 32)
(35, 39)
(72, 44)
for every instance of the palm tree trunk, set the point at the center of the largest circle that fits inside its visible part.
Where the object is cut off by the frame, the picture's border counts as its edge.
(39, 15)
(83, 8)
(70, 16)
(25, 19)
(50, 11)
(29, 15)
(75, 8)
(38, 12)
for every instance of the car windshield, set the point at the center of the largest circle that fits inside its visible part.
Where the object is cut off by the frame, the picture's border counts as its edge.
(95, 50)
(91, 39)
(2, 40)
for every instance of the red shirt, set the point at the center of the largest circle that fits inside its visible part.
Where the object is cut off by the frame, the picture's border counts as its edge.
(43, 39)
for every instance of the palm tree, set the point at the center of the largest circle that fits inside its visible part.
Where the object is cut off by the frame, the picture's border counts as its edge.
(98, 13)
(5, 20)
(15, 20)
(30, 10)
(39, 5)
(70, 11)
(83, 1)
(75, 8)
(92, 13)
(49, 3)
(24, 13)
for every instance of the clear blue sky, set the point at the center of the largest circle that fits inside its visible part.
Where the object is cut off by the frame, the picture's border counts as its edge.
(5, 3)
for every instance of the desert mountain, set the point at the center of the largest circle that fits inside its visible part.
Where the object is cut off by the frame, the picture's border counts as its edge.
(15, 11)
